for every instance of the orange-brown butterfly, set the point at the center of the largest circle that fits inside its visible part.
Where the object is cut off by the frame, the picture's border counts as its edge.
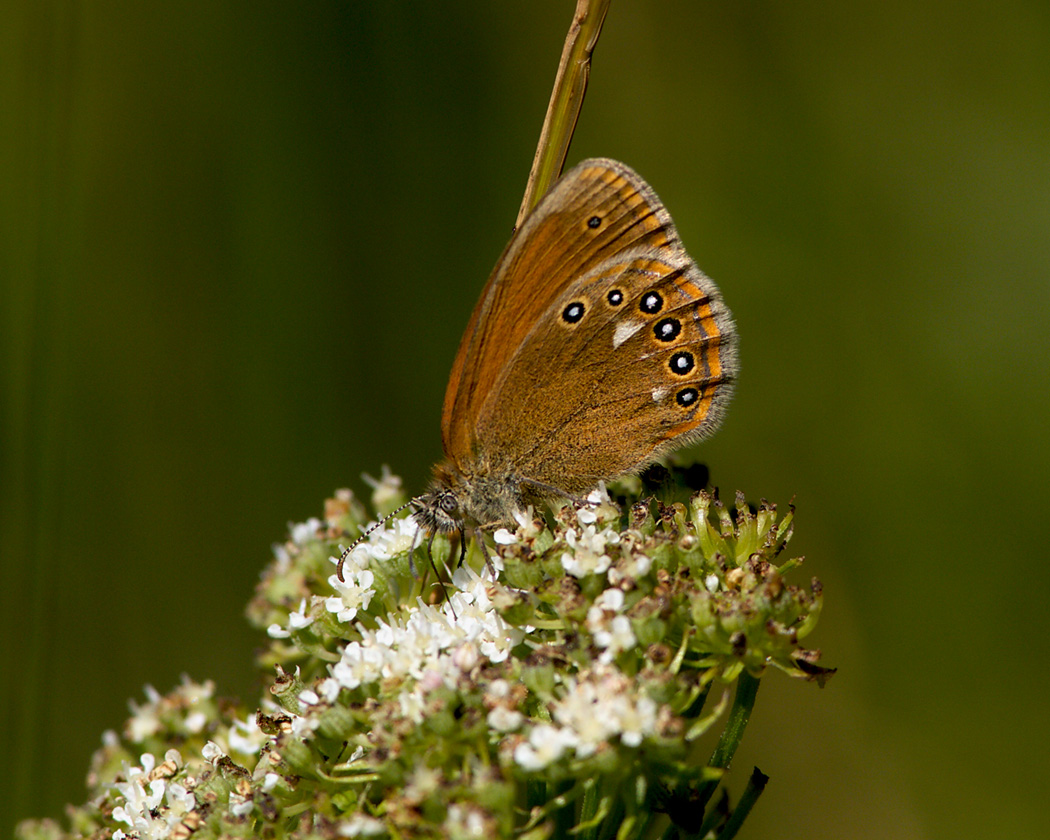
(597, 346)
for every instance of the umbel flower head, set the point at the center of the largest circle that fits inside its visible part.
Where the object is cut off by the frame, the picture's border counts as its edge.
(566, 684)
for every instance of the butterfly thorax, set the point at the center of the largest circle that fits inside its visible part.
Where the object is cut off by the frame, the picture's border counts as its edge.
(457, 500)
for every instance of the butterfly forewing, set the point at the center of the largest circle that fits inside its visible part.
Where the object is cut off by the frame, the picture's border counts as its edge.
(557, 243)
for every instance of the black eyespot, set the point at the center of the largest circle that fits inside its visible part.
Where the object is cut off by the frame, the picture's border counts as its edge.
(573, 312)
(652, 302)
(594, 222)
(682, 363)
(615, 297)
(686, 397)
(667, 329)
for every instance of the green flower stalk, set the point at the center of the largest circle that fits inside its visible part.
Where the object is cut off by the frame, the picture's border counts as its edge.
(564, 688)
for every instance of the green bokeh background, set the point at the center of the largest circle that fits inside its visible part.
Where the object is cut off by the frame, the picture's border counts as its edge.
(238, 245)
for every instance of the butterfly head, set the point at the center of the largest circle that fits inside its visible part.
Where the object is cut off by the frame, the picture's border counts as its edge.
(439, 511)
(461, 499)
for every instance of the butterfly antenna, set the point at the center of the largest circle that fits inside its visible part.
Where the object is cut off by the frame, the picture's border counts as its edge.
(364, 536)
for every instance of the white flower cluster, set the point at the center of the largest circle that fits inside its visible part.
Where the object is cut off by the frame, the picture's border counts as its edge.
(144, 792)
(588, 555)
(589, 544)
(428, 647)
(354, 593)
(597, 706)
(397, 536)
(145, 719)
(611, 629)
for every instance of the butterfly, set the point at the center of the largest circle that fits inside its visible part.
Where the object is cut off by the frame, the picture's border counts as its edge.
(597, 347)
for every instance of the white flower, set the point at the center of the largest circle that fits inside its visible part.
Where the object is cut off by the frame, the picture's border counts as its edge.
(398, 537)
(588, 555)
(240, 805)
(545, 745)
(354, 593)
(361, 825)
(611, 599)
(598, 507)
(586, 516)
(412, 705)
(212, 752)
(386, 489)
(282, 559)
(619, 637)
(503, 719)
(463, 821)
(711, 582)
(246, 737)
(528, 528)
(297, 620)
(637, 720)
(612, 631)
(588, 714)
(631, 568)
(303, 532)
(180, 800)
(145, 719)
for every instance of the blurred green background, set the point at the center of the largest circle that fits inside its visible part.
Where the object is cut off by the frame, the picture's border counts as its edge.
(238, 245)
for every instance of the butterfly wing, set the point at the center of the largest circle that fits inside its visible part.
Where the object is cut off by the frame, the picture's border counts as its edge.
(596, 345)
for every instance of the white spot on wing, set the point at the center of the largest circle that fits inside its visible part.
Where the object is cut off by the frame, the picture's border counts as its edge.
(659, 394)
(625, 330)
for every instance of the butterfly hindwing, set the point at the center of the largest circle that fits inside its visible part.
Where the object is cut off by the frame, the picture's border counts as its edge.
(597, 344)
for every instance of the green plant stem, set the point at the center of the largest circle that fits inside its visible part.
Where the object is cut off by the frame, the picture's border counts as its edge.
(732, 735)
(535, 794)
(755, 785)
(566, 101)
(743, 703)
(589, 806)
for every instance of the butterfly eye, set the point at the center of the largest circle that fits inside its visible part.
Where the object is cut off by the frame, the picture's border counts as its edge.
(573, 312)
(686, 397)
(667, 329)
(651, 303)
(615, 297)
(447, 502)
(594, 222)
(682, 363)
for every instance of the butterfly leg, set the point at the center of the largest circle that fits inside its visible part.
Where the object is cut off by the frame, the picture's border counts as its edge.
(550, 492)
(437, 574)
(479, 538)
